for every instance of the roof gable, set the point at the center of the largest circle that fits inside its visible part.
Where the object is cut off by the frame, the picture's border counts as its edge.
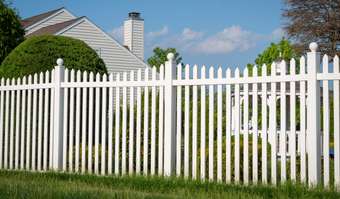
(35, 19)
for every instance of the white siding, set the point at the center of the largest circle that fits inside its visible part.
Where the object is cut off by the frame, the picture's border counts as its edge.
(62, 16)
(115, 56)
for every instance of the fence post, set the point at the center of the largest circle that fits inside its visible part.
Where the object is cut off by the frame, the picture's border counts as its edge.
(313, 116)
(169, 116)
(58, 115)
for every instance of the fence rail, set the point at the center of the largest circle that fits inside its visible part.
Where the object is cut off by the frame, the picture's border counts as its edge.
(197, 122)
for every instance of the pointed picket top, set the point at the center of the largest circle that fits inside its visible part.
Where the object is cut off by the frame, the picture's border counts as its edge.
(47, 76)
(255, 68)
(7, 81)
(273, 69)
(23, 80)
(35, 78)
(245, 72)
(292, 66)
(72, 76)
(98, 77)
(124, 76)
(302, 65)
(211, 72)
(228, 73)
(2, 81)
(179, 71)
(154, 72)
(29, 79)
(18, 81)
(132, 75)
(78, 75)
(325, 64)
(111, 79)
(91, 76)
(104, 77)
(118, 77)
(264, 70)
(85, 76)
(237, 72)
(336, 64)
(219, 72)
(52, 75)
(283, 66)
(203, 72)
(41, 77)
(139, 75)
(187, 71)
(161, 72)
(13, 81)
(195, 71)
(146, 74)
(66, 79)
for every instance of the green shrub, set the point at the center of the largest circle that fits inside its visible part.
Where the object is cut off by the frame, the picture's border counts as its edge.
(39, 53)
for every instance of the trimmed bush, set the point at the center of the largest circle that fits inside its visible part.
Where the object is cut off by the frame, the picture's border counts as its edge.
(39, 53)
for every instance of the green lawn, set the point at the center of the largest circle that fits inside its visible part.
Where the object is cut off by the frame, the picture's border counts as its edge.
(57, 185)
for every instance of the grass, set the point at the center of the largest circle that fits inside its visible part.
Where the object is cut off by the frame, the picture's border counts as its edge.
(15, 184)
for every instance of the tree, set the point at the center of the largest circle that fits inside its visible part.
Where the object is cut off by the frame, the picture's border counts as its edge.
(39, 53)
(275, 52)
(160, 56)
(11, 32)
(314, 21)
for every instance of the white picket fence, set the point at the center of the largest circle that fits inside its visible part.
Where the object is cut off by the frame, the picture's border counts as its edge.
(133, 123)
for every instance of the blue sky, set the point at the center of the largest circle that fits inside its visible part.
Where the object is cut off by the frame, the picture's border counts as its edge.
(214, 32)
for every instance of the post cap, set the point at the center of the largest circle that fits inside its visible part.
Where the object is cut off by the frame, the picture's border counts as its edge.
(313, 46)
(60, 61)
(170, 56)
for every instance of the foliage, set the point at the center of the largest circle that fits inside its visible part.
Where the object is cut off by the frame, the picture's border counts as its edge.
(274, 52)
(14, 184)
(11, 32)
(314, 21)
(160, 56)
(40, 53)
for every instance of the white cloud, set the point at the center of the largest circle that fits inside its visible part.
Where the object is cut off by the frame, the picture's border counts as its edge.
(277, 34)
(117, 33)
(161, 32)
(189, 34)
(230, 39)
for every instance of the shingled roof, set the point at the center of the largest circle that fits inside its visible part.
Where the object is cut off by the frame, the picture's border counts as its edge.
(52, 29)
(34, 19)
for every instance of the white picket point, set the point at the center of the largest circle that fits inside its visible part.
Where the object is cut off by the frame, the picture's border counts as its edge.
(194, 125)
(96, 125)
(219, 126)
(28, 125)
(103, 127)
(153, 124)
(211, 125)
(292, 136)
(71, 124)
(245, 129)
(302, 136)
(6, 126)
(90, 127)
(77, 136)
(228, 128)
(283, 123)
(84, 131)
(146, 125)
(264, 106)
(17, 126)
(186, 122)
(23, 126)
(272, 126)
(124, 125)
(203, 127)
(110, 127)
(34, 123)
(11, 135)
(131, 124)
(161, 123)
(336, 124)
(179, 123)
(2, 122)
(255, 128)
(138, 123)
(46, 130)
(66, 105)
(117, 126)
(237, 127)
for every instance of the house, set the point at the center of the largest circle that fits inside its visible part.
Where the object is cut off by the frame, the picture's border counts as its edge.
(116, 56)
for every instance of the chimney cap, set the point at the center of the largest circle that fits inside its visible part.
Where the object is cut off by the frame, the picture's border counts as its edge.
(135, 15)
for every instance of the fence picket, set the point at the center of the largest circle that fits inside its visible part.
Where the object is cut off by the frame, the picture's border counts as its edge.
(292, 137)
(219, 126)
(71, 123)
(237, 128)
(131, 125)
(46, 107)
(228, 128)
(103, 127)
(264, 105)
(245, 129)
(7, 92)
(194, 125)
(283, 123)
(117, 125)
(40, 122)
(255, 128)
(77, 119)
(2, 93)
(161, 123)
(211, 125)
(84, 131)
(96, 126)
(17, 126)
(90, 127)
(203, 128)
(34, 123)
(179, 123)
(302, 136)
(138, 123)
(336, 124)
(28, 126)
(272, 126)
(146, 125)
(186, 122)
(153, 124)
(12, 127)
(110, 127)
(124, 124)
(51, 129)
(23, 127)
